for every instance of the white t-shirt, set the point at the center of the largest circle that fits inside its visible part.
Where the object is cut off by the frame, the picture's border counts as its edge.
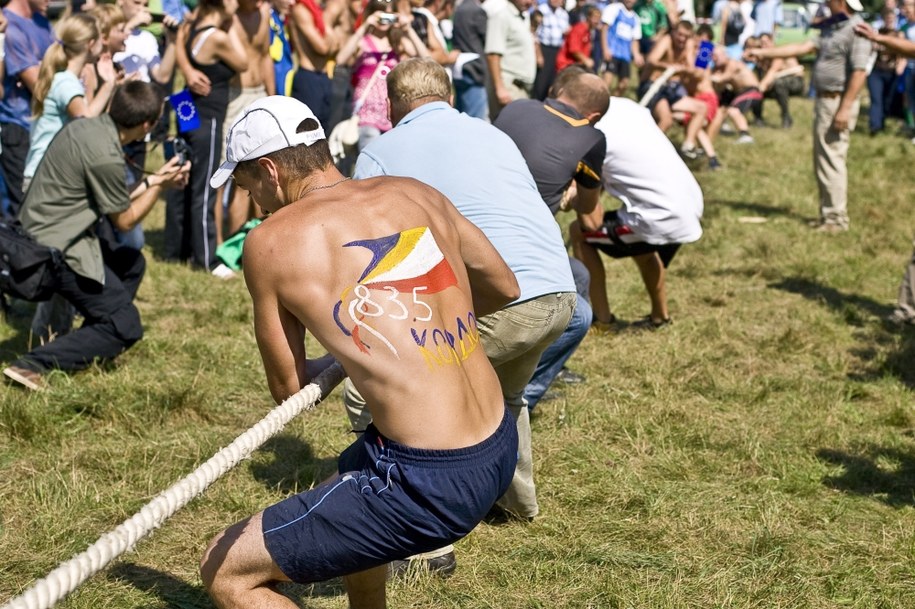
(140, 54)
(662, 201)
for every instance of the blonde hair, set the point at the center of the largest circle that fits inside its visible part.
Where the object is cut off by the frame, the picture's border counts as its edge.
(72, 37)
(414, 79)
(108, 16)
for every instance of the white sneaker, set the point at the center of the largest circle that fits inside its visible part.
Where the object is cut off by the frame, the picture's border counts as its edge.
(689, 152)
(746, 138)
(223, 272)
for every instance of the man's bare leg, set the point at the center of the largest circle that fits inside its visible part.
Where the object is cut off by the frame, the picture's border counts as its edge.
(739, 120)
(653, 274)
(590, 257)
(662, 115)
(238, 572)
(366, 589)
(696, 109)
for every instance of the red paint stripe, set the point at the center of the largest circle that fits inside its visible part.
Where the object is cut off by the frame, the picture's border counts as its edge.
(439, 277)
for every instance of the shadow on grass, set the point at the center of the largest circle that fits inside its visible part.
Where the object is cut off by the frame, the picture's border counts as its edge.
(294, 467)
(848, 304)
(758, 209)
(172, 591)
(898, 363)
(181, 595)
(886, 474)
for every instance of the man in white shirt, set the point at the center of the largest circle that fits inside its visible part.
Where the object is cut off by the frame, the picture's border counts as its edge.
(662, 206)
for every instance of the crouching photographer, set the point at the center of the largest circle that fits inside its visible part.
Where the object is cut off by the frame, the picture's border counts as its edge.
(81, 181)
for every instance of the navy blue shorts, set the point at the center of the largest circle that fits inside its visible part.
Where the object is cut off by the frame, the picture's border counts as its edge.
(389, 502)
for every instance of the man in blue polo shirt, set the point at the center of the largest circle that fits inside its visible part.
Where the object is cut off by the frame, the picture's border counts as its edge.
(28, 36)
(495, 190)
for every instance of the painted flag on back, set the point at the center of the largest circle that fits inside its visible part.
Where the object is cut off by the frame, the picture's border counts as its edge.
(185, 110)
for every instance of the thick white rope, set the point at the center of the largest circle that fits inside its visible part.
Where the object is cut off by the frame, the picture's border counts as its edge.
(64, 579)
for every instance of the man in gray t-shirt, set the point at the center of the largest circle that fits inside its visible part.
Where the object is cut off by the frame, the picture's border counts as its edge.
(839, 74)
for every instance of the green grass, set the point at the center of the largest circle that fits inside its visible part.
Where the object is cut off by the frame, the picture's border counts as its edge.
(757, 453)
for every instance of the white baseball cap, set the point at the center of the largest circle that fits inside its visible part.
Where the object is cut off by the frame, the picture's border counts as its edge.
(267, 125)
(855, 5)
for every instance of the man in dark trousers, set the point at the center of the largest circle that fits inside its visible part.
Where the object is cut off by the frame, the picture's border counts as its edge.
(79, 183)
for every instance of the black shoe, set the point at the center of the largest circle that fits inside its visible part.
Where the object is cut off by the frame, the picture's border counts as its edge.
(759, 122)
(443, 566)
(570, 378)
(647, 323)
(714, 164)
(787, 122)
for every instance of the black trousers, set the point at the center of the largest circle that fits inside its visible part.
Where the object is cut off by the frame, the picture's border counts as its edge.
(190, 228)
(111, 321)
(547, 74)
(15, 142)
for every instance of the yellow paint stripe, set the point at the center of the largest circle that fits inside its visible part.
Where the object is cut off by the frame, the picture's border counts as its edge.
(405, 245)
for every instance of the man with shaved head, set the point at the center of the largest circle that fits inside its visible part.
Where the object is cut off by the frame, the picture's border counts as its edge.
(564, 152)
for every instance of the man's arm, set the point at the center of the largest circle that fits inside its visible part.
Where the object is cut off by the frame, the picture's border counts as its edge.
(280, 335)
(169, 176)
(891, 42)
(492, 283)
(305, 24)
(788, 50)
(852, 88)
(584, 203)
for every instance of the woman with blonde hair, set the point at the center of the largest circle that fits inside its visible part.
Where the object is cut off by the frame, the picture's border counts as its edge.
(58, 95)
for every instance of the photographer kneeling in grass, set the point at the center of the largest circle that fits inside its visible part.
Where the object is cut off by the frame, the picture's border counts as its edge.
(80, 180)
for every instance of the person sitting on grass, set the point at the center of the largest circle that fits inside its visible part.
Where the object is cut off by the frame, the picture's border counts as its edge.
(662, 207)
(739, 93)
(375, 270)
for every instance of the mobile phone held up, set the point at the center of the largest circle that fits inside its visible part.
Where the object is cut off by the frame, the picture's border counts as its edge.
(387, 19)
(176, 146)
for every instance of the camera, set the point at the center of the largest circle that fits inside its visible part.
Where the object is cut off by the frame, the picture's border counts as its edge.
(176, 147)
(159, 17)
(387, 19)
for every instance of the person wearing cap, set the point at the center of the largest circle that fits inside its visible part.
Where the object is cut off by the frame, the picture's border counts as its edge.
(838, 76)
(80, 180)
(390, 278)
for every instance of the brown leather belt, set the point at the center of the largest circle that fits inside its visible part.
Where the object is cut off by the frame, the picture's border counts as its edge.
(829, 94)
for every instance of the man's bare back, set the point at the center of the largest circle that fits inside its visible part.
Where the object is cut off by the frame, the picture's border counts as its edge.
(375, 270)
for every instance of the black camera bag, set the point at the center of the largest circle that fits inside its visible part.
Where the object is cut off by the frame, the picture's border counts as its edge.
(28, 270)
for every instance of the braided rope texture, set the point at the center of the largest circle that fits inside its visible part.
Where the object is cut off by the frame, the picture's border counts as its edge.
(63, 580)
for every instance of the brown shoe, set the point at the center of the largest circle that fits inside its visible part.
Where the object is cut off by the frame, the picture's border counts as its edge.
(27, 378)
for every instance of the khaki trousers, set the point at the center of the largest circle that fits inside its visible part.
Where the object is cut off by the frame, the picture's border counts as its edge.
(830, 151)
(905, 306)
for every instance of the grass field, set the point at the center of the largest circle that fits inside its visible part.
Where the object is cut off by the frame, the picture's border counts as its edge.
(759, 452)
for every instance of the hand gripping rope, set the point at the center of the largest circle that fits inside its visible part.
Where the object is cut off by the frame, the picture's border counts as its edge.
(65, 578)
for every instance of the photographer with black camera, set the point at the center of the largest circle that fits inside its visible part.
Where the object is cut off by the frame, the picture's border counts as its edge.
(79, 182)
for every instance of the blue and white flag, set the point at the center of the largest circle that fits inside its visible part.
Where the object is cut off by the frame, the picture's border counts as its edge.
(185, 110)
(704, 56)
